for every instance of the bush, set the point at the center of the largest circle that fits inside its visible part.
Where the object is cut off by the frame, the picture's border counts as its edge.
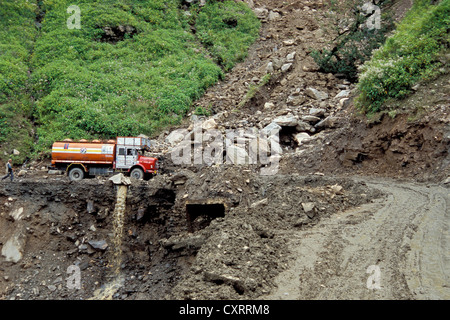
(410, 55)
(354, 42)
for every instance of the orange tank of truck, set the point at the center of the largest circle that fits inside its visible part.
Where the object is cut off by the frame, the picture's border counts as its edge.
(83, 158)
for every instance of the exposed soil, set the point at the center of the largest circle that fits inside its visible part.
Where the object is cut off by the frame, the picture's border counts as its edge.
(359, 194)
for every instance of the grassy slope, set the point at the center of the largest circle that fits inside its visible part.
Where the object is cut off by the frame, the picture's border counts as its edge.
(17, 35)
(412, 54)
(85, 88)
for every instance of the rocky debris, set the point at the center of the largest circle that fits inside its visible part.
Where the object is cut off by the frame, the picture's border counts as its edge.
(189, 241)
(22, 173)
(55, 172)
(302, 137)
(342, 94)
(175, 137)
(101, 245)
(286, 121)
(17, 213)
(120, 179)
(328, 122)
(308, 208)
(261, 202)
(237, 155)
(316, 94)
(13, 249)
(209, 124)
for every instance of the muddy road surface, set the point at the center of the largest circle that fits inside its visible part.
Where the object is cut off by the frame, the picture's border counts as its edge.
(396, 247)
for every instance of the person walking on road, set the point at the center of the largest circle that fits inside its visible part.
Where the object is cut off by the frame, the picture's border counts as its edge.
(9, 170)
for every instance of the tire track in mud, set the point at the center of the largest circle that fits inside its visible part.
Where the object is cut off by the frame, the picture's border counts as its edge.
(393, 248)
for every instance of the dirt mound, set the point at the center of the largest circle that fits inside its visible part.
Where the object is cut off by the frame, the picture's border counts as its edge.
(411, 143)
(244, 250)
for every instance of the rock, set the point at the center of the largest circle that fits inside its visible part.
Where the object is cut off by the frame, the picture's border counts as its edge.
(291, 56)
(261, 13)
(21, 173)
(317, 112)
(344, 102)
(120, 179)
(209, 124)
(16, 152)
(175, 137)
(100, 245)
(308, 207)
(273, 16)
(51, 287)
(82, 248)
(310, 67)
(271, 129)
(295, 100)
(328, 122)
(277, 63)
(447, 181)
(259, 203)
(90, 207)
(336, 188)
(302, 137)
(54, 172)
(237, 155)
(343, 94)
(311, 119)
(269, 67)
(285, 67)
(269, 105)
(286, 121)
(289, 42)
(316, 94)
(16, 214)
(12, 250)
(302, 126)
(258, 146)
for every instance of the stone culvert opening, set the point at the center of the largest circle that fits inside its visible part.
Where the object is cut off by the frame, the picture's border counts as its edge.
(199, 214)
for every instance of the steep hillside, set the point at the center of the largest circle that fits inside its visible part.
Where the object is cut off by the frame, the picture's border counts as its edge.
(102, 69)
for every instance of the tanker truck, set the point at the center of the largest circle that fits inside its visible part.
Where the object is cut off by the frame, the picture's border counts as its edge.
(92, 158)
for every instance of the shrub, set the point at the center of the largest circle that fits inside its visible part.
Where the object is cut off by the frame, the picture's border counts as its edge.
(354, 42)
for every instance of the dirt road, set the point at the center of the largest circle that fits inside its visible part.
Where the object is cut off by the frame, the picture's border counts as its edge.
(394, 248)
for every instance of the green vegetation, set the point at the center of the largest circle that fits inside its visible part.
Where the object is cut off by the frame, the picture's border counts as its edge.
(409, 56)
(133, 67)
(17, 35)
(354, 41)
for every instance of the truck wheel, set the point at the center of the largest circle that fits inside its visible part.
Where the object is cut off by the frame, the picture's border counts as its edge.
(76, 174)
(137, 173)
